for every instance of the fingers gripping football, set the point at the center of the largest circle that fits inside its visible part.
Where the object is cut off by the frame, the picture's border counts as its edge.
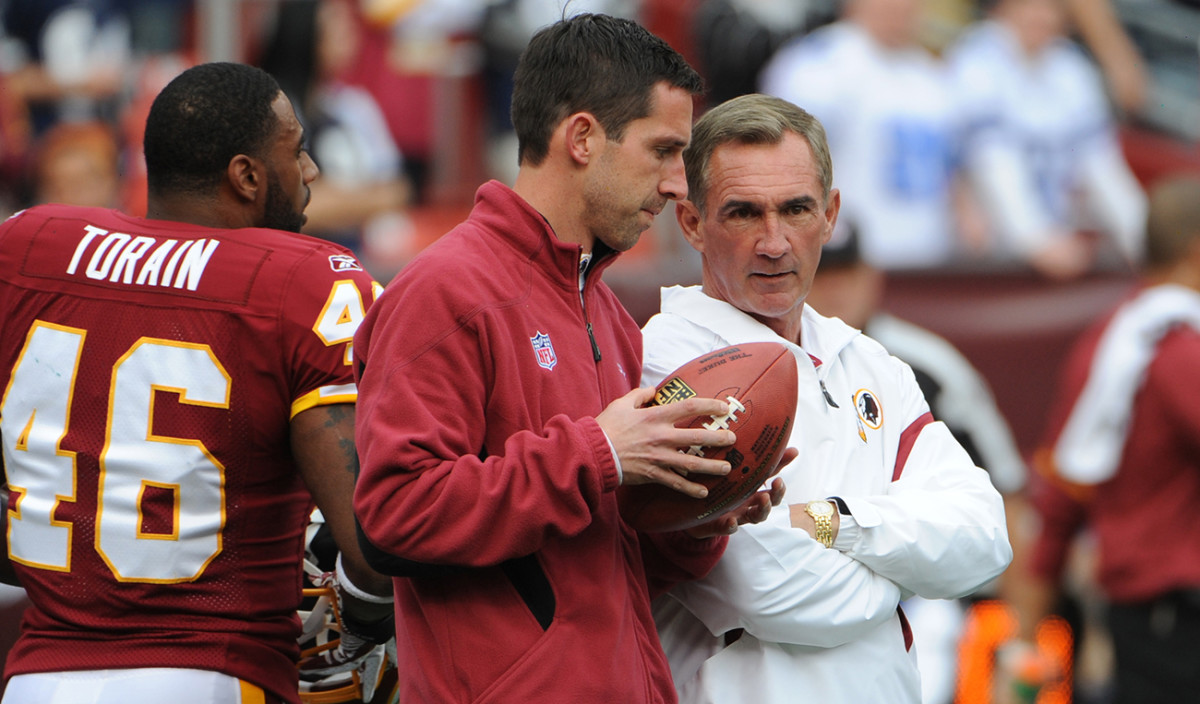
(754, 510)
(757, 385)
(652, 449)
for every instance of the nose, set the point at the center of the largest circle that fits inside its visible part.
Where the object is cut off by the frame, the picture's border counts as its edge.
(308, 168)
(674, 183)
(773, 241)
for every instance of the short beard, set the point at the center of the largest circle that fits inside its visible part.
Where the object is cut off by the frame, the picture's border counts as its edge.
(279, 213)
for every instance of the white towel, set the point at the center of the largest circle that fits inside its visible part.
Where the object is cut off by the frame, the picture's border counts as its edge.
(1090, 446)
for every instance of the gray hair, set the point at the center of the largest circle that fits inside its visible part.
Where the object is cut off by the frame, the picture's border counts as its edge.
(751, 119)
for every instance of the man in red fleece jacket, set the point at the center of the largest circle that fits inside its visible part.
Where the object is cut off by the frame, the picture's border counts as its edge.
(496, 416)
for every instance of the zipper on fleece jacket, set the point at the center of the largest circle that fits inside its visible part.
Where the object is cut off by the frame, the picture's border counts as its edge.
(584, 260)
(595, 347)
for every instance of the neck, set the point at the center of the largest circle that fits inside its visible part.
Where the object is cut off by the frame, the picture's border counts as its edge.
(787, 327)
(556, 197)
(196, 210)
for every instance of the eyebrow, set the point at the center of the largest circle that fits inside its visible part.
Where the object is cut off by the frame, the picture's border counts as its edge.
(800, 200)
(732, 205)
(669, 142)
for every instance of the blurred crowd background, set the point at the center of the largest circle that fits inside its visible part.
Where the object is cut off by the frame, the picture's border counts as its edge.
(1018, 171)
(406, 104)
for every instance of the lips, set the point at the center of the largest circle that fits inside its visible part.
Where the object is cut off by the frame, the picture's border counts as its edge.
(656, 208)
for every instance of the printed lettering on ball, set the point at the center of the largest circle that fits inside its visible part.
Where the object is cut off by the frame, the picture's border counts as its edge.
(758, 380)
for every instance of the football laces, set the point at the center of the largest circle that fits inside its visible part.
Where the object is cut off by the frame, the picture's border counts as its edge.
(720, 422)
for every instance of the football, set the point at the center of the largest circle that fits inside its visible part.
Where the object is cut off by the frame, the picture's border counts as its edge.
(758, 380)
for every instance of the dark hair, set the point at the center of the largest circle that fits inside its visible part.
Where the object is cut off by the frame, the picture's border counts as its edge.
(204, 117)
(752, 119)
(607, 66)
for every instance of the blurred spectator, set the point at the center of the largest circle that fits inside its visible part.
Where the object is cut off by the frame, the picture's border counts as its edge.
(893, 129)
(428, 19)
(849, 288)
(158, 27)
(78, 163)
(1123, 460)
(1097, 25)
(943, 20)
(1042, 147)
(363, 192)
(66, 58)
(735, 38)
(1124, 70)
(15, 143)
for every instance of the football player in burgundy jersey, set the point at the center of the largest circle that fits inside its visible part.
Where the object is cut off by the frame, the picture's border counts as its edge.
(177, 393)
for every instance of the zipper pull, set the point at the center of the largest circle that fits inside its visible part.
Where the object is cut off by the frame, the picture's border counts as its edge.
(828, 398)
(595, 347)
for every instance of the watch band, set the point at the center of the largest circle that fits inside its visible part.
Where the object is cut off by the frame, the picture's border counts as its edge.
(822, 515)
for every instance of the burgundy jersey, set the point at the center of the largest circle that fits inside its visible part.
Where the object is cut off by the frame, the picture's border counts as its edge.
(150, 371)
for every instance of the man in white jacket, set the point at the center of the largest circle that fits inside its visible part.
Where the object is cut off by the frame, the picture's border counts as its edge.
(785, 615)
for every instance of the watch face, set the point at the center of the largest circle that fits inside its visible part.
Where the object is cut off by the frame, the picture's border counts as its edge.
(820, 508)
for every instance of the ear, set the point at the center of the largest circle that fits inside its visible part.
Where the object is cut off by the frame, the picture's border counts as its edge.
(582, 134)
(245, 177)
(832, 208)
(690, 222)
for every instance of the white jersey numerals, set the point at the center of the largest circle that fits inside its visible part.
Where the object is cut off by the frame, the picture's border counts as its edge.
(134, 460)
(340, 317)
(161, 506)
(33, 421)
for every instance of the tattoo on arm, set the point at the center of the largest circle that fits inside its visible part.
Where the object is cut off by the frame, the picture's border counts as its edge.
(338, 417)
(351, 453)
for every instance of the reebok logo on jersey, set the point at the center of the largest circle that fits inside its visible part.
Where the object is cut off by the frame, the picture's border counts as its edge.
(344, 262)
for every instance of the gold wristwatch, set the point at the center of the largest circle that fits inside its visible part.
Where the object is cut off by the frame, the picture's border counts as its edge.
(822, 515)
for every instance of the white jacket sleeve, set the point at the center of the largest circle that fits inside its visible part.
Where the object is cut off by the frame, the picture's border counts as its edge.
(939, 531)
(779, 585)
